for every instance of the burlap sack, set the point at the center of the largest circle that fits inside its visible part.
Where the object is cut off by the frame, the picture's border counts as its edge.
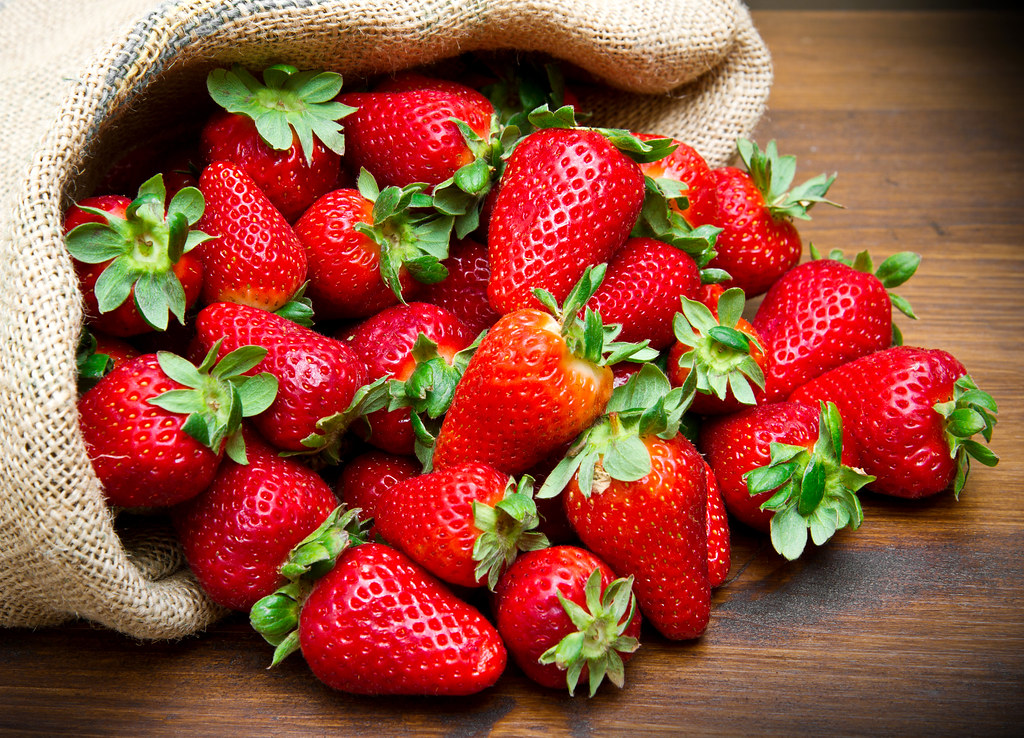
(81, 79)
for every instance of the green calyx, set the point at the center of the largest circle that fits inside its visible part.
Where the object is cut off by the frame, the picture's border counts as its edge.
(814, 491)
(218, 397)
(325, 444)
(287, 104)
(635, 148)
(462, 195)
(892, 272)
(91, 365)
(524, 86)
(299, 309)
(428, 391)
(410, 231)
(276, 616)
(719, 354)
(142, 249)
(660, 220)
(613, 447)
(599, 639)
(773, 176)
(506, 529)
(588, 337)
(970, 412)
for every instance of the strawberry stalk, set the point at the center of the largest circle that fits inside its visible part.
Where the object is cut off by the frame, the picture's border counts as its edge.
(599, 638)
(971, 411)
(814, 491)
(142, 249)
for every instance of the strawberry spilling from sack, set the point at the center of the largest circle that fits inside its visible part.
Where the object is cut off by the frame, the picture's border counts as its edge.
(434, 377)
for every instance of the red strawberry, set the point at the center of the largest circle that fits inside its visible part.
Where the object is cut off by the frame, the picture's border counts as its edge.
(635, 491)
(564, 617)
(155, 428)
(535, 382)
(464, 291)
(719, 545)
(913, 412)
(406, 137)
(824, 313)
(723, 350)
(135, 259)
(759, 242)
(686, 165)
(366, 477)
(398, 343)
(411, 81)
(377, 623)
(238, 532)
(318, 376)
(641, 291)
(786, 468)
(254, 258)
(464, 524)
(284, 132)
(568, 200)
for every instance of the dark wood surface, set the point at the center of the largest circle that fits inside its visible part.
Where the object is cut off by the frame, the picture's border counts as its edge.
(912, 625)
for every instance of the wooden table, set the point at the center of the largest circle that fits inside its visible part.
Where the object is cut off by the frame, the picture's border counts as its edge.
(914, 624)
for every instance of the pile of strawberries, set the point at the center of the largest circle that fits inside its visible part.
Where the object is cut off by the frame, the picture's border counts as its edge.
(427, 377)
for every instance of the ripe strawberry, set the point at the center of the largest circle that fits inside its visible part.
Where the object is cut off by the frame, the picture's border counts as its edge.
(568, 200)
(786, 468)
(535, 382)
(564, 617)
(635, 492)
(369, 249)
(238, 532)
(366, 477)
(135, 258)
(156, 427)
(377, 623)
(254, 258)
(464, 524)
(318, 376)
(913, 412)
(719, 545)
(284, 132)
(826, 312)
(687, 166)
(410, 136)
(464, 291)
(725, 352)
(645, 281)
(417, 345)
(759, 242)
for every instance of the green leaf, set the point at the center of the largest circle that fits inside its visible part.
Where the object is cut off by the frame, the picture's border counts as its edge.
(179, 369)
(239, 361)
(95, 243)
(257, 393)
(766, 478)
(234, 448)
(788, 533)
(182, 401)
(114, 284)
(189, 202)
(898, 268)
(812, 487)
(627, 459)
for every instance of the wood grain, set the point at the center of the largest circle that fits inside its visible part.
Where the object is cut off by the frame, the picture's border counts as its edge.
(914, 624)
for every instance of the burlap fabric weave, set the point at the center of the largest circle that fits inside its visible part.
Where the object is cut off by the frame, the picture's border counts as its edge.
(81, 79)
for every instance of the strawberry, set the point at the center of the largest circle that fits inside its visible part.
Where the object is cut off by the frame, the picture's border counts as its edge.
(565, 617)
(318, 377)
(284, 133)
(687, 166)
(914, 413)
(135, 259)
(367, 476)
(376, 622)
(568, 199)
(635, 491)
(759, 242)
(719, 545)
(536, 380)
(826, 312)
(369, 249)
(464, 524)
(254, 258)
(464, 291)
(237, 533)
(787, 468)
(722, 349)
(399, 343)
(156, 427)
(641, 290)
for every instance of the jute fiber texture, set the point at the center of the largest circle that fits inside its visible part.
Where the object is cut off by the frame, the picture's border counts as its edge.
(85, 79)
